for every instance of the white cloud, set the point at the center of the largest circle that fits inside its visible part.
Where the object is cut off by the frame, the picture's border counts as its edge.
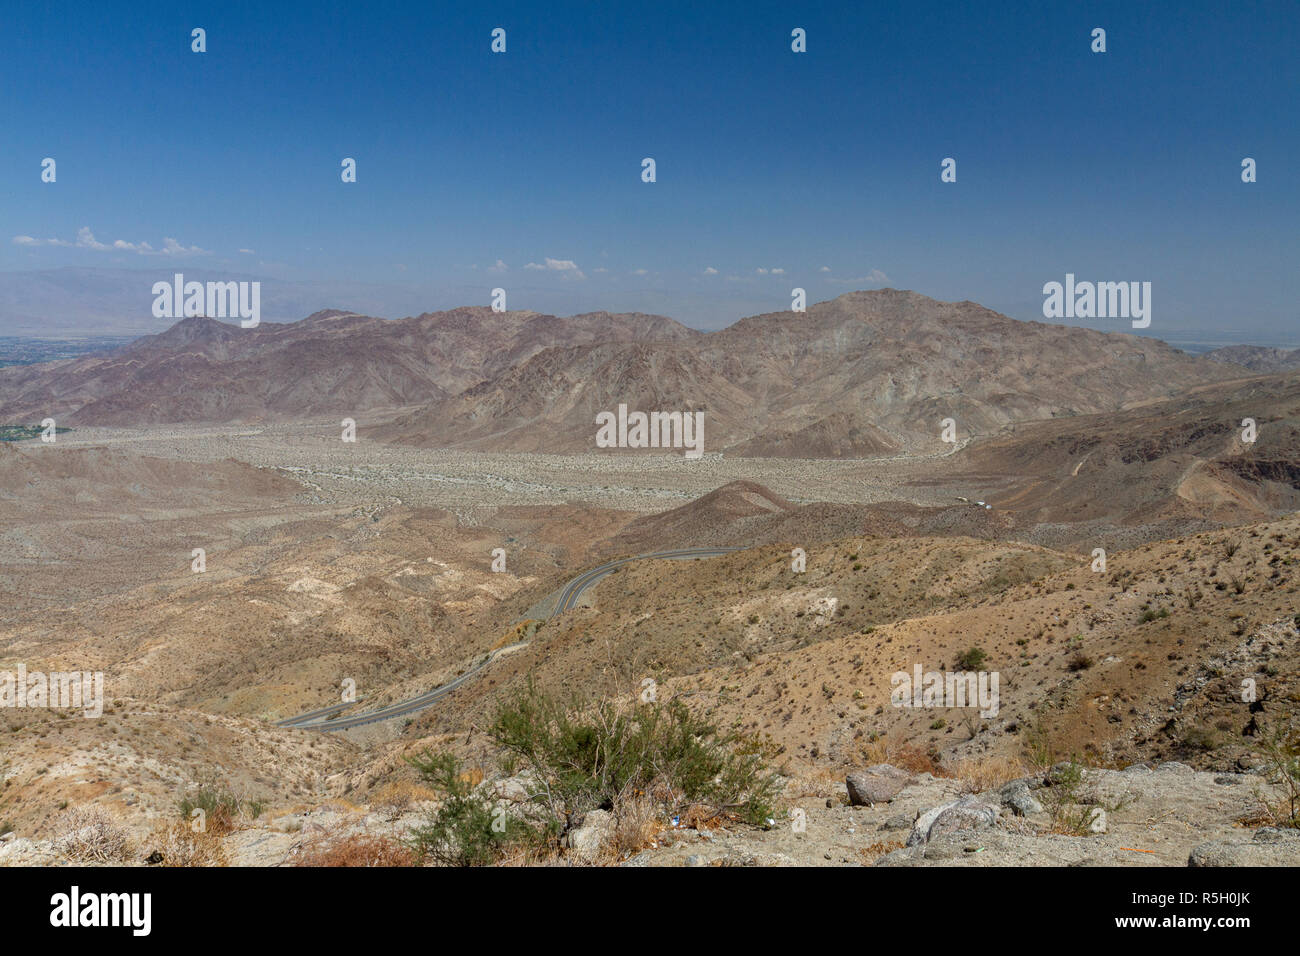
(824, 269)
(86, 240)
(640, 272)
(778, 272)
(761, 271)
(710, 271)
(498, 266)
(567, 267)
(173, 248)
(248, 252)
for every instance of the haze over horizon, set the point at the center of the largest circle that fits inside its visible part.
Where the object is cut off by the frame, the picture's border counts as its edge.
(774, 169)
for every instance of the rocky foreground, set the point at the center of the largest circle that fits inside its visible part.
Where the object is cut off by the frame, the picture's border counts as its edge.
(1167, 815)
(1144, 815)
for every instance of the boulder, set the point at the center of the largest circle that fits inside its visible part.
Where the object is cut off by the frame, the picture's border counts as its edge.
(968, 813)
(586, 841)
(1016, 796)
(1268, 847)
(878, 784)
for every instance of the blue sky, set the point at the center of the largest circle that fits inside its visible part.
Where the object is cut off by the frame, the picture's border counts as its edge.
(1116, 166)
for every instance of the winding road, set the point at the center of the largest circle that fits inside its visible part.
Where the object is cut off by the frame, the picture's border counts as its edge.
(323, 718)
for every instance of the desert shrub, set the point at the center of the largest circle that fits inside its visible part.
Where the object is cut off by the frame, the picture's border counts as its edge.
(1280, 748)
(221, 808)
(903, 756)
(1079, 662)
(1200, 738)
(636, 821)
(1063, 800)
(595, 755)
(1039, 750)
(971, 659)
(643, 762)
(178, 845)
(358, 850)
(467, 828)
(396, 797)
(90, 834)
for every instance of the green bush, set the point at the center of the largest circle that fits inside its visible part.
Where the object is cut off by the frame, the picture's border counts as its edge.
(466, 829)
(1279, 745)
(585, 756)
(221, 808)
(971, 659)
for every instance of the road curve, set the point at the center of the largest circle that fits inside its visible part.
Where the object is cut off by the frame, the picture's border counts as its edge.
(568, 597)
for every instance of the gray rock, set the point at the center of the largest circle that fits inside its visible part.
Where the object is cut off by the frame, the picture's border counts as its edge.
(878, 784)
(588, 840)
(1017, 797)
(1268, 847)
(899, 821)
(967, 813)
(515, 789)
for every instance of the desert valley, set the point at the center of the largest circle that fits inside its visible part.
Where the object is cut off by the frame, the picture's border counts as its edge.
(330, 569)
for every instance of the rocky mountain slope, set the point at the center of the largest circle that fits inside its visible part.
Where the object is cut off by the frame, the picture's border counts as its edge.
(331, 364)
(1257, 358)
(862, 375)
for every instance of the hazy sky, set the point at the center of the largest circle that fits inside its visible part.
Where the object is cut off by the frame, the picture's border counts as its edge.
(824, 165)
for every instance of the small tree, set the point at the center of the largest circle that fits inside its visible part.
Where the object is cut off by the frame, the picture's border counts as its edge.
(467, 829)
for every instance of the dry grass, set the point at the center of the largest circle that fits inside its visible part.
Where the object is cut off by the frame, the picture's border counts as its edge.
(396, 797)
(990, 772)
(357, 850)
(874, 852)
(635, 825)
(473, 776)
(179, 845)
(903, 756)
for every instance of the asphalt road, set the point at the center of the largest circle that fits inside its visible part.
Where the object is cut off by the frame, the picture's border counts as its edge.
(568, 598)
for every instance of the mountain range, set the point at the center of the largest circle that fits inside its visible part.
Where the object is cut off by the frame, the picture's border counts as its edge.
(864, 375)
